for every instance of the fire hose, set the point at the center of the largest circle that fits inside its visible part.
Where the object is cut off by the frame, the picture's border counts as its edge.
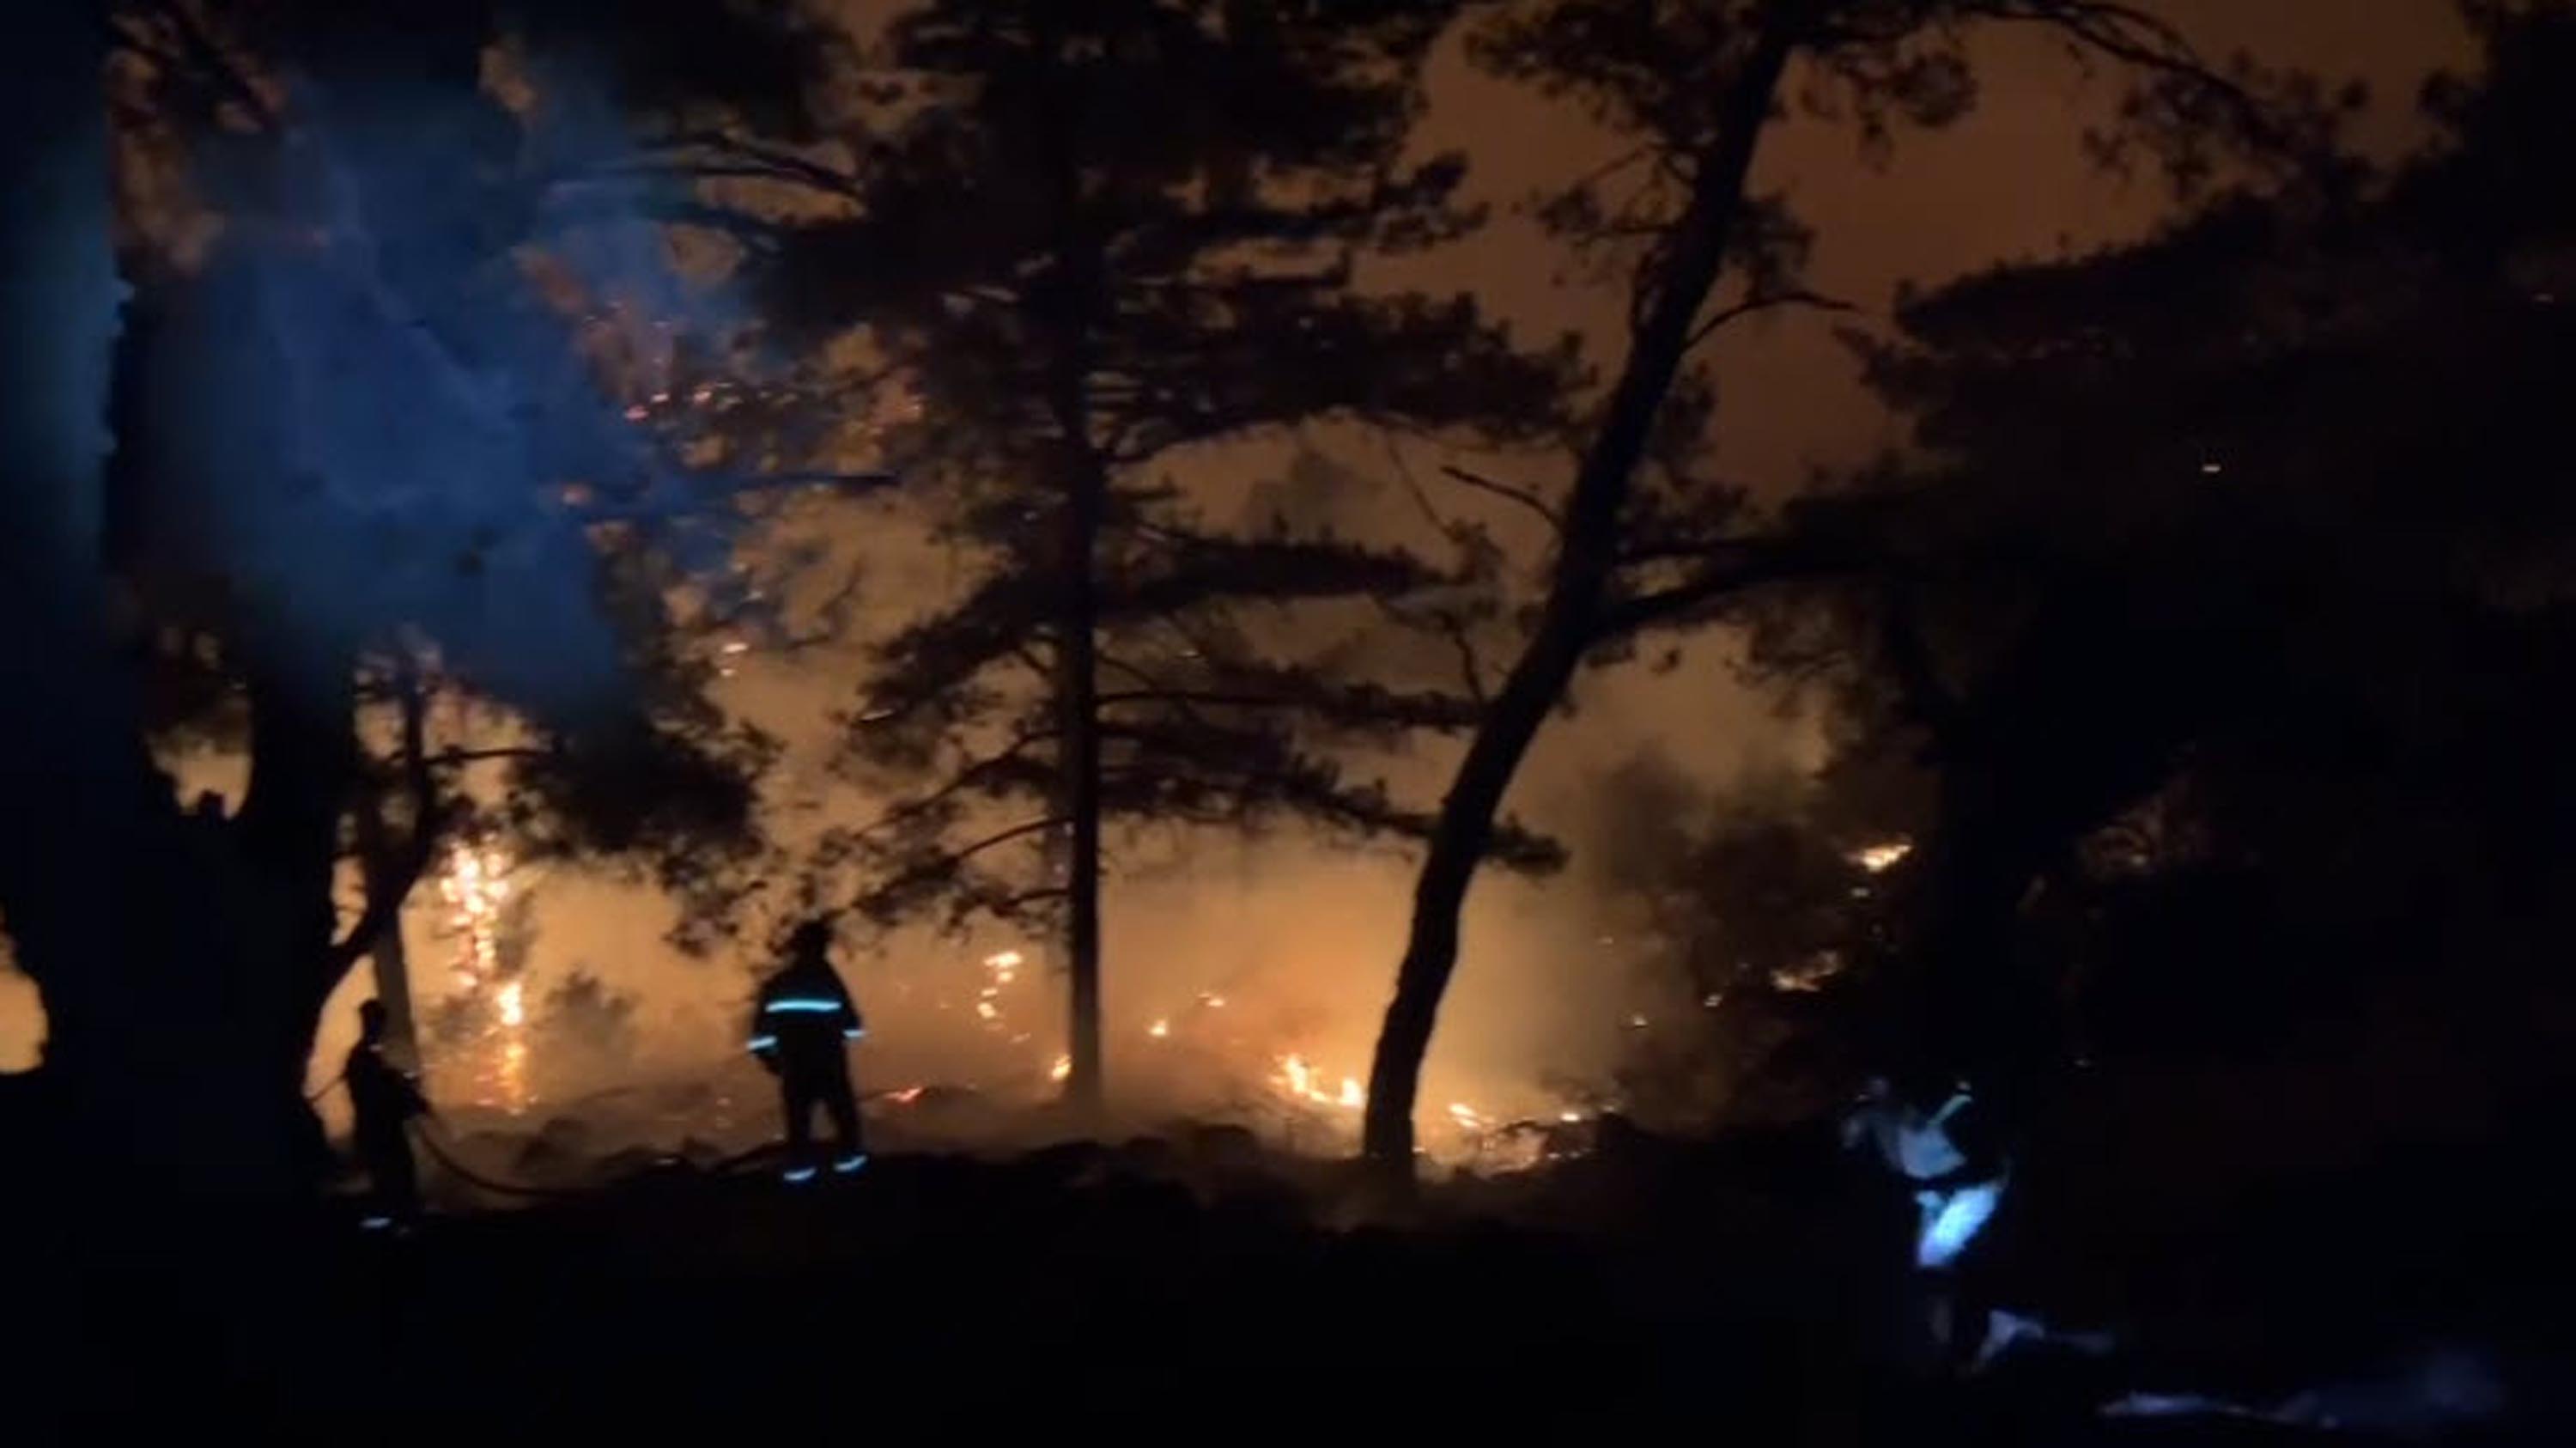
(725, 1166)
(429, 1142)
(467, 1174)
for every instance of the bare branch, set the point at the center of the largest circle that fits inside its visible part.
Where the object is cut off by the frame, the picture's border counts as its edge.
(956, 857)
(1029, 660)
(2130, 35)
(450, 758)
(1770, 302)
(770, 163)
(1412, 485)
(1529, 500)
(1011, 905)
(1601, 173)
(1470, 668)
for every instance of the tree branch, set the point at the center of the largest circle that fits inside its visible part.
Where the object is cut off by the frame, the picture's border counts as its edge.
(945, 863)
(1470, 670)
(1011, 905)
(1529, 500)
(957, 783)
(450, 758)
(387, 891)
(1412, 485)
(1429, 711)
(1757, 561)
(770, 163)
(1772, 301)
(960, 856)
(2131, 36)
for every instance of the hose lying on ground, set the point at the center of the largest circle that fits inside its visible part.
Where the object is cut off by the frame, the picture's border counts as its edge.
(429, 1142)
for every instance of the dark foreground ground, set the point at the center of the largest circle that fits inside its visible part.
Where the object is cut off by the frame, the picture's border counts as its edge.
(1198, 1288)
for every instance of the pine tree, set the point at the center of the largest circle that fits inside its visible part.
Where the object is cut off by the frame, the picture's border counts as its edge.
(1692, 85)
(1091, 237)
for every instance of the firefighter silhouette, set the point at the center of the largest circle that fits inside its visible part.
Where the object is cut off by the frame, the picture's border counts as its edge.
(801, 1026)
(383, 1100)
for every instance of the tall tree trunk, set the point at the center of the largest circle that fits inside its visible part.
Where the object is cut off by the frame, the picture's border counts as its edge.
(174, 1013)
(1077, 701)
(1587, 552)
(93, 866)
(1066, 305)
(384, 874)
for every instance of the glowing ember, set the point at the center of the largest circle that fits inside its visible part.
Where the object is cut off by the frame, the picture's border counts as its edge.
(908, 1095)
(1003, 967)
(1159, 1030)
(1880, 858)
(1062, 1070)
(512, 998)
(1299, 1080)
(1808, 975)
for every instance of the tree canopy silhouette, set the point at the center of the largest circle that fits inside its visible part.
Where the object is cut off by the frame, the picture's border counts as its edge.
(2226, 579)
(1692, 87)
(366, 439)
(1096, 241)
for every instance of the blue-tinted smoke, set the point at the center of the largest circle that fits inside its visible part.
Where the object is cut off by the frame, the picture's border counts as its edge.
(366, 413)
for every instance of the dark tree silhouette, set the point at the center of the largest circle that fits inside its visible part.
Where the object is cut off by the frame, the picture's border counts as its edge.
(343, 428)
(86, 830)
(2183, 515)
(1096, 237)
(1693, 86)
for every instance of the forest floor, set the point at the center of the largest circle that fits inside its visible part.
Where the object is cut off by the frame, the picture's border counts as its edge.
(1184, 1289)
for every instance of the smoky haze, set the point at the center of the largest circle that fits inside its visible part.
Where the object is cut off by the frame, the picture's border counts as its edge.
(1298, 934)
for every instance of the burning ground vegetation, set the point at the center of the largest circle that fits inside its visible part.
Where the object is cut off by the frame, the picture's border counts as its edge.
(728, 1116)
(555, 1096)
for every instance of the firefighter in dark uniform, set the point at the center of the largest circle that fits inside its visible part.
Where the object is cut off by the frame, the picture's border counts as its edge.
(383, 1100)
(801, 1027)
